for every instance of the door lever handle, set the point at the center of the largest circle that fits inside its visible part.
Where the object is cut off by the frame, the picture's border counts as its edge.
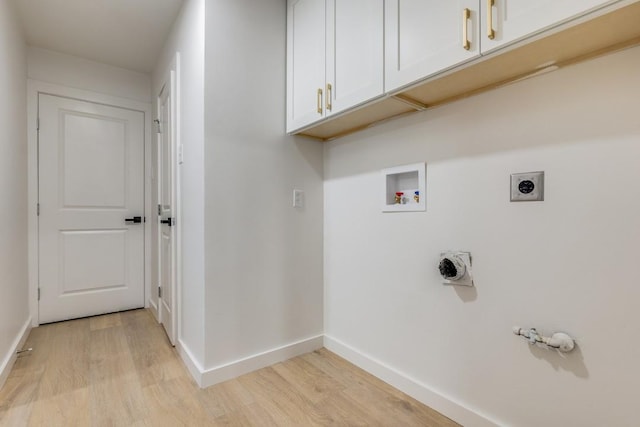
(135, 219)
(168, 221)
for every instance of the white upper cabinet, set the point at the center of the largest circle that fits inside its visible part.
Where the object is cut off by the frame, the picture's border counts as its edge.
(505, 21)
(408, 54)
(335, 57)
(424, 37)
(305, 62)
(355, 53)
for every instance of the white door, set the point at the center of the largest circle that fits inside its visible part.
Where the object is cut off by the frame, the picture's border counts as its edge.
(355, 53)
(306, 62)
(507, 20)
(424, 37)
(90, 182)
(166, 220)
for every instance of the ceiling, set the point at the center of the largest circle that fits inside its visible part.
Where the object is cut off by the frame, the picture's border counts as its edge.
(124, 33)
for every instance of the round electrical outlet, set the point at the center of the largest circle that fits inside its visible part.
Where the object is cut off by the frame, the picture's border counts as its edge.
(526, 186)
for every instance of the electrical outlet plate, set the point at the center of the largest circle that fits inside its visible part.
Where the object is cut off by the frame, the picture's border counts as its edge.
(527, 187)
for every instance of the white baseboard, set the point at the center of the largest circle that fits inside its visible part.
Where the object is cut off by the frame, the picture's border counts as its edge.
(421, 392)
(193, 366)
(10, 358)
(258, 361)
(153, 308)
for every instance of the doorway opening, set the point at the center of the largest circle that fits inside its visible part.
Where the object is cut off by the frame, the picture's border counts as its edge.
(89, 241)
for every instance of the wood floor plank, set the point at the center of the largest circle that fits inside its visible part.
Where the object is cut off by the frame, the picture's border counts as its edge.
(177, 399)
(341, 411)
(226, 398)
(308, 380)
(16, 416)
(120, 370)
(379, 391)
(115, 391)
(66, 352)
(106, 321)
(117, 402)
(63, 410)
(279, 399)
(20, 389)
(247, 416)
(346, 373)
(109, 355)
(159, 365)
(393, 410)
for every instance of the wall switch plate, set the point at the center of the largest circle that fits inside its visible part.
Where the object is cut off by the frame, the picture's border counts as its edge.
(527, 187)
(298, 198)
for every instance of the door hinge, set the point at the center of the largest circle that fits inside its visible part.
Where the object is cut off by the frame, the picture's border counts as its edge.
(159, 292)
(38, 123)
(38, 294)
(38, 210)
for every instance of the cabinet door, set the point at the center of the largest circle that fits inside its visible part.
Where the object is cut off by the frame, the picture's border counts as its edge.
(505, 21)
(305, 62)
(427, 36)
(355, 53)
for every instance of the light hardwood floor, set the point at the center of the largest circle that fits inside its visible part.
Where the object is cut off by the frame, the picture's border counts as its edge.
(119, 370)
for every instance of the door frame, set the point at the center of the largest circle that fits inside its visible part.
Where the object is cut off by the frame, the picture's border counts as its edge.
(34, 88)
(170, 79)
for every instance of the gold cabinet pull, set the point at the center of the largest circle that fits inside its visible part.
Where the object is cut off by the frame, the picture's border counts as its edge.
(319, 98)
(490, 33)
(329, 93)
(466, 14)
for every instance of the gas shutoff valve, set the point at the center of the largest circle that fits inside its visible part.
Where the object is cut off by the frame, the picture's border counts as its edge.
(559, 340)
(455, 268)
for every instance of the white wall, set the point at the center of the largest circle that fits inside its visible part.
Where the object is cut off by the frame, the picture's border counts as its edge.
(79, 73)
(568, 263)
(263, 257)
(187, 38)
(14, 312)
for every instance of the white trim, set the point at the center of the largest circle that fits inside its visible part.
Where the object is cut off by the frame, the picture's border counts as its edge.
(10, 358)
(178, 199)
(193, 366)
(419, 391)
(260, 360)
(153, 308)
(32, 202)
(34, 87)
(172, 80)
